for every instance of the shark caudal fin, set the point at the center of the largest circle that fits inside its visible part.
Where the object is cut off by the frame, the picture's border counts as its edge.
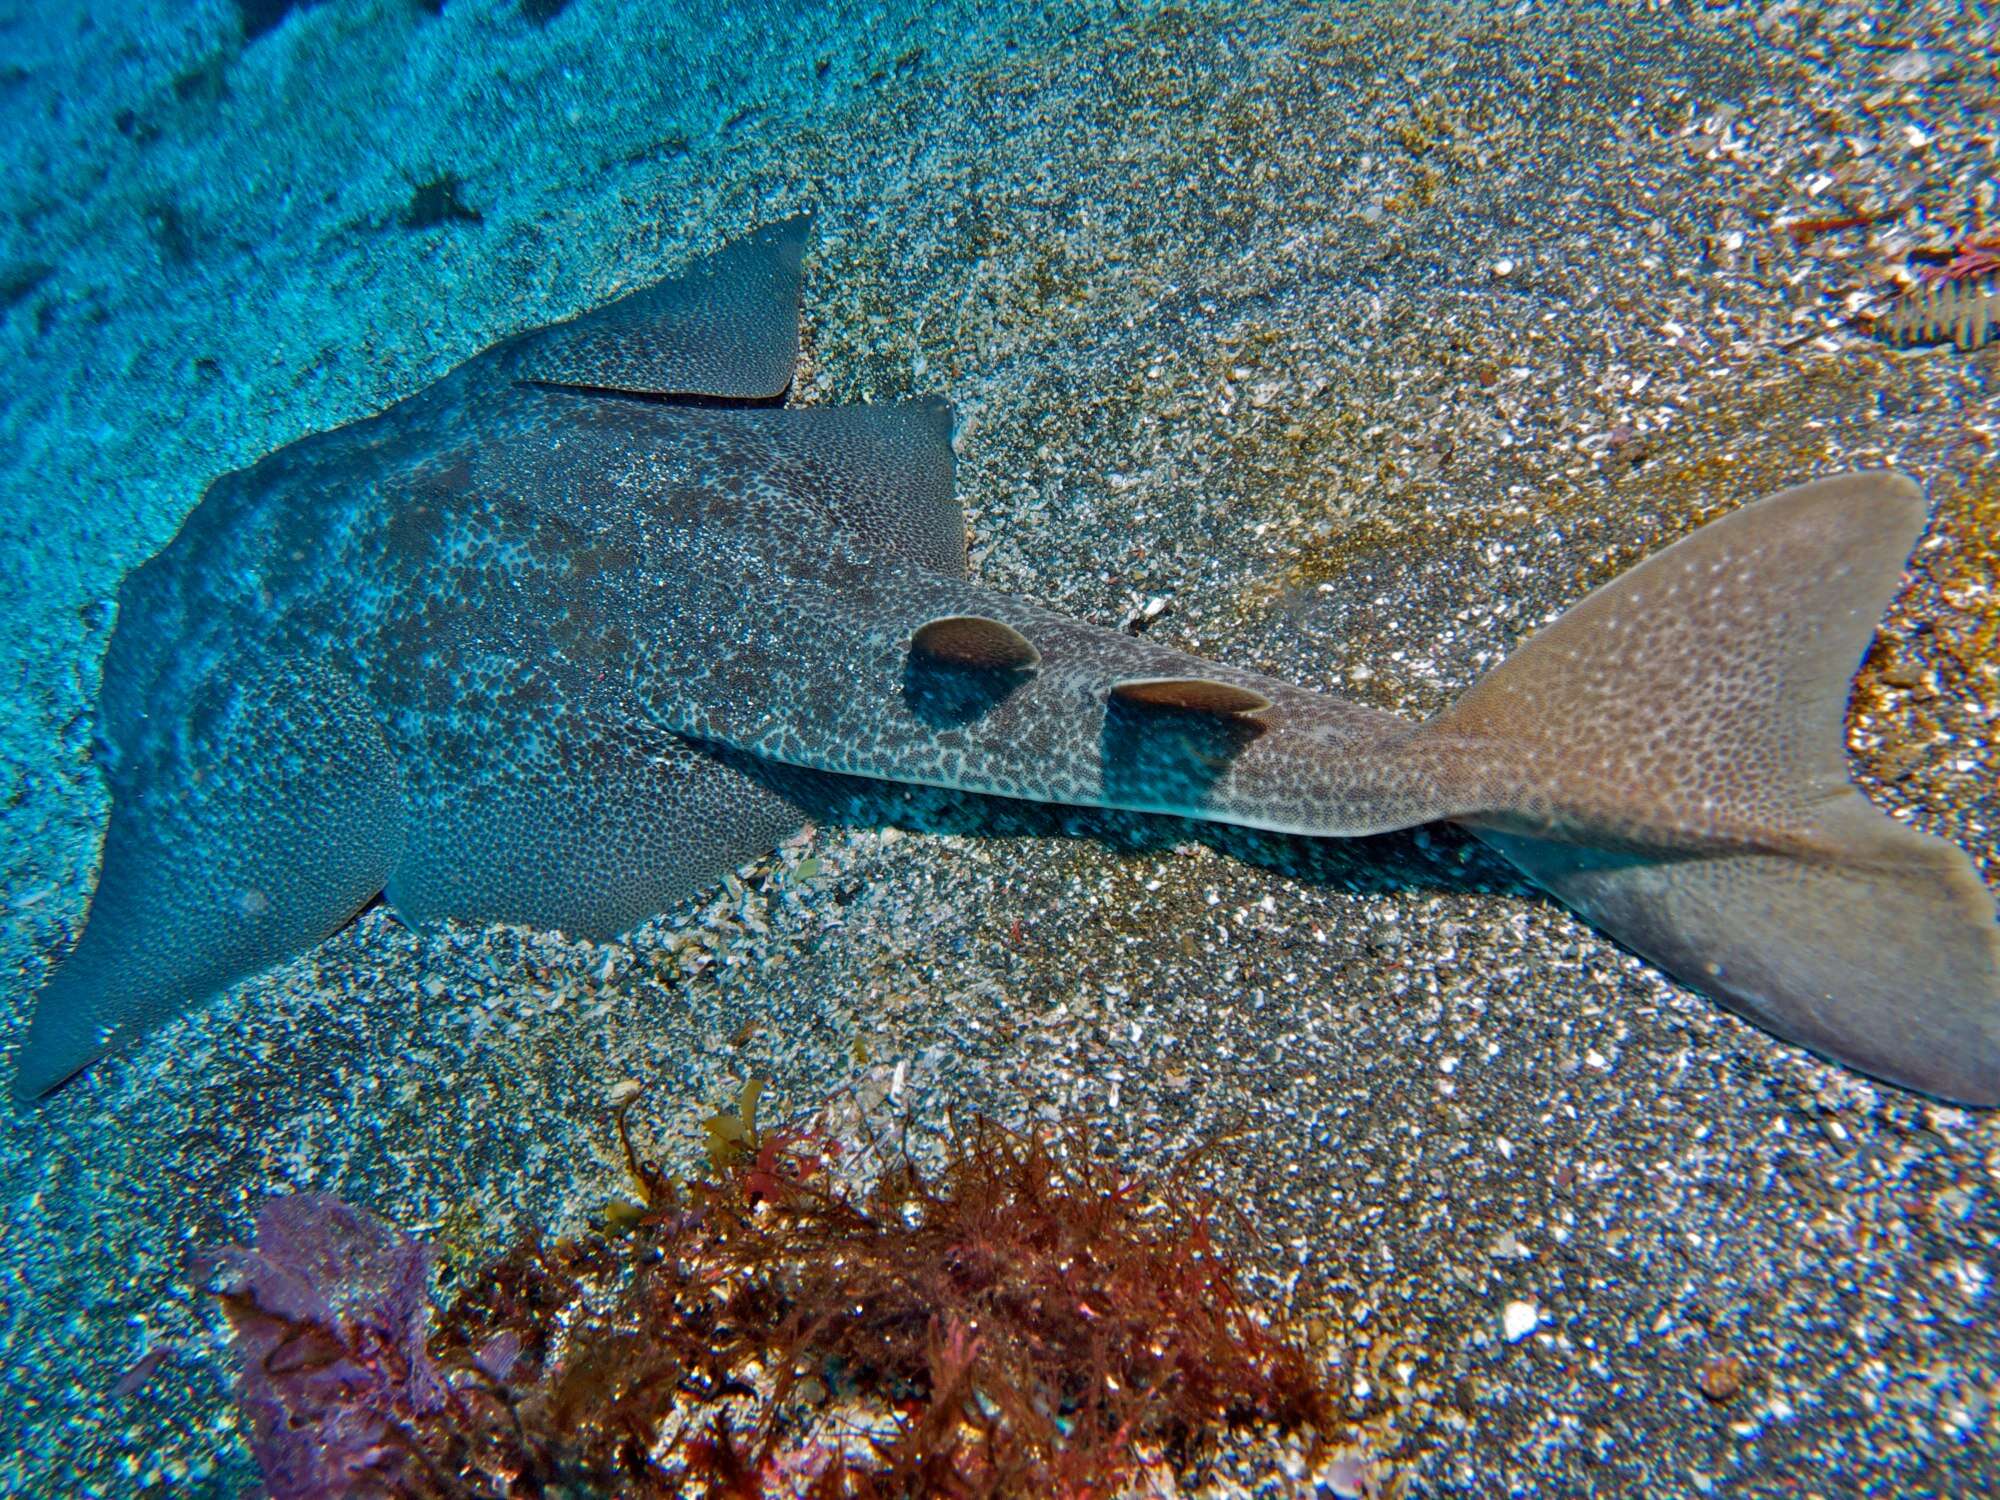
(1669, 759)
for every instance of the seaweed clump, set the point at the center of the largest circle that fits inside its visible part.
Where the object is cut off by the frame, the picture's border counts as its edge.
(1024, 1319)
(329, 1310)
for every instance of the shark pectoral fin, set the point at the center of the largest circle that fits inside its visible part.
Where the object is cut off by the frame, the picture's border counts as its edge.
(1670, 758)
(258, 822)
(974, 643)
(728, 327)
(1192, 695)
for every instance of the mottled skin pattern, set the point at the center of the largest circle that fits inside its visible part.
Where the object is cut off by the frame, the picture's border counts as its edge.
(1309, 763)
(511, 649)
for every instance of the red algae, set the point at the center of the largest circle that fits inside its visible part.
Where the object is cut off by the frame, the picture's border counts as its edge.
(1023, 1319)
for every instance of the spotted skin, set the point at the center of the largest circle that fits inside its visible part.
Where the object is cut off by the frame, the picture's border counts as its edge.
(512, 649)
(1710, 824)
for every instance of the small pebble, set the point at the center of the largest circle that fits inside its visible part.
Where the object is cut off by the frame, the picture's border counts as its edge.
(625, 1090)
(1720, 1377)
(1507, 1246)
(1518, 1320)
(1347, 1476)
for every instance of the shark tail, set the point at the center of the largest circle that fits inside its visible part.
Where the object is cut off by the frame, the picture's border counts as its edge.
(1668, 758)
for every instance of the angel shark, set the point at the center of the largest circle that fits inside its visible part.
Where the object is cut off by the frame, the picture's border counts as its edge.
(512, 649)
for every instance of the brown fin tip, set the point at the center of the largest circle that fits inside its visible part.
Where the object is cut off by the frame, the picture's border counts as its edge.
(1194, 695)
(976, 643)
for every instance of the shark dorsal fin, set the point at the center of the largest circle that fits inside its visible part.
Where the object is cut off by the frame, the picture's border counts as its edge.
(1193, 695)
(974, 643)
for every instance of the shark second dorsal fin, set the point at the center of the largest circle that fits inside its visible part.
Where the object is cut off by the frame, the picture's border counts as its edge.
(1167, 740)
(1191, 695)
(973, 643)
(727, 327)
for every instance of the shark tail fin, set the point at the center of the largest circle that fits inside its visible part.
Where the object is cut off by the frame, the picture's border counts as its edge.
(1669, 759)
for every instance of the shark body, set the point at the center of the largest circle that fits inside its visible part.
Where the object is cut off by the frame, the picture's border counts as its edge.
(503, 652)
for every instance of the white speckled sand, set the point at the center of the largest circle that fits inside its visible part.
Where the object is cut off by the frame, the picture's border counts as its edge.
(1362, 340)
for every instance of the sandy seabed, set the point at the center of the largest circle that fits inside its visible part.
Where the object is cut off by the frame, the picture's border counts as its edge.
(1347, 343)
